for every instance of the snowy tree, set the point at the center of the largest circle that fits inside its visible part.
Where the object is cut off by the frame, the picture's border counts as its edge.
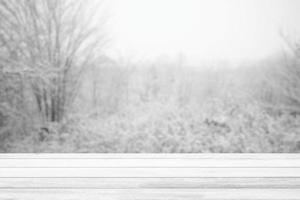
(45, 47)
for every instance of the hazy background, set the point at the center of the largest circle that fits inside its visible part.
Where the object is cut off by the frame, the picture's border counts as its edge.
(133, 76)
(202, 30)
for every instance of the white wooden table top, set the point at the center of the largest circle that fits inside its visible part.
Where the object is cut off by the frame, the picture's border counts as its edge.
(149, 176)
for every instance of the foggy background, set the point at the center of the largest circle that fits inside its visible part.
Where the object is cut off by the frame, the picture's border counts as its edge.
(154, 76)
(231, 30)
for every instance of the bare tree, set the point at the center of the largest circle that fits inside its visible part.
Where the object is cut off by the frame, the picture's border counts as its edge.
(48, 44)
(283, 79)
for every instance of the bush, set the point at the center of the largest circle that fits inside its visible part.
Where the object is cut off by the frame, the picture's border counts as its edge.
(161, 128)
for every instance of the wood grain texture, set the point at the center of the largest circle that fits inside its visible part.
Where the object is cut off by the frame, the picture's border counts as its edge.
(152, 194)
(149, 172)
(150, 176)
(149, 183)
(145, 162)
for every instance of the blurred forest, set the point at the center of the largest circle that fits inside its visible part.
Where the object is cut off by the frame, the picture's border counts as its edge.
(59, 92)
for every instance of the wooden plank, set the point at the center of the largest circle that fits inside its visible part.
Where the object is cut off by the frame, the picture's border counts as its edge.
(150, 172)
(150, 176)
(151, 156)
(136, 183)
(151, 194)
(171, 163)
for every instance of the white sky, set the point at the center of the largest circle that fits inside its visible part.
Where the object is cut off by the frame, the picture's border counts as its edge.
(209, 30)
